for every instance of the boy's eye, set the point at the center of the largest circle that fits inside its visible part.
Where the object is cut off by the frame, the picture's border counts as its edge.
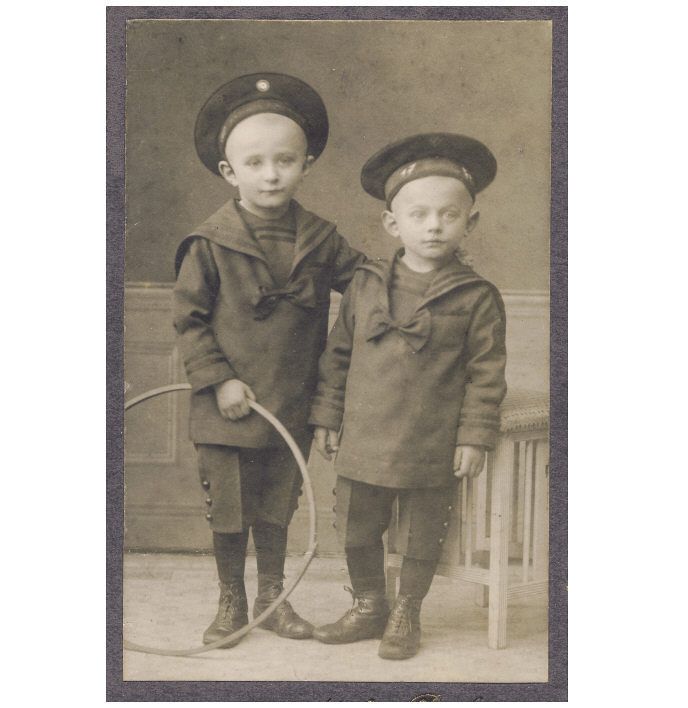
(451, 215)
(253, 163)
(417, 214)
(286, 160)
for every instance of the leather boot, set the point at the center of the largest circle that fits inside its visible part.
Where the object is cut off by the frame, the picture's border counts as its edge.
(284, 620)
(232, 613)
(366, 620)
(401, 639)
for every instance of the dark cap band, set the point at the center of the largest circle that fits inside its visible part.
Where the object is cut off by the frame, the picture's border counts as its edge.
(264, 105)
(426, 154)
(427, 167)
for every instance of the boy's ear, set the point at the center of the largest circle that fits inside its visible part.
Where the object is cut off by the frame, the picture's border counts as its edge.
(472, 221)
(390, 223)
(307, 165)
(227, 172)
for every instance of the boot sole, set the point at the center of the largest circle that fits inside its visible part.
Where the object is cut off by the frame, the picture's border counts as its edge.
(266, 625)
(285, 636)
(211, 639)
(395, 655)
(226, 646)
(346, 641)
(329, 640)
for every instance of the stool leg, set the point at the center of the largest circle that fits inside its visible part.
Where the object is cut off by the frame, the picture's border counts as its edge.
(541, 513)
(500, 531)
(393, 574)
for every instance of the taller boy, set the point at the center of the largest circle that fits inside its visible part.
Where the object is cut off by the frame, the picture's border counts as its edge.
(251, 308)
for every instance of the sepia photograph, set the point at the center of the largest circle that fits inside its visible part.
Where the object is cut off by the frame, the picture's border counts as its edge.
(338, 410)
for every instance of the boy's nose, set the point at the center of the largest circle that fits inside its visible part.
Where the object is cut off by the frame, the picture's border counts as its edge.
(270, 173)
(434, 223)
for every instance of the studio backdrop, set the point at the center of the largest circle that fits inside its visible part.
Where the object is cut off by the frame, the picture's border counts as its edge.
(381, 81)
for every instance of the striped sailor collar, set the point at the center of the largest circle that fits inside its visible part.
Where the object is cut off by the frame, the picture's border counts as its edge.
(448, 278)
(227, 229)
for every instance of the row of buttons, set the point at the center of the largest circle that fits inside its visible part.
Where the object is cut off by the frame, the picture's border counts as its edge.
(206, 485)
(445, 524)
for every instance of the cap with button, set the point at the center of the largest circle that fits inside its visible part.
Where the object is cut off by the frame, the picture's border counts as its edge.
(248, 95)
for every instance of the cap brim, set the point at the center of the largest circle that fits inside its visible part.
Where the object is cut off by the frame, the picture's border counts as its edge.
(293, 92)
(465, 151)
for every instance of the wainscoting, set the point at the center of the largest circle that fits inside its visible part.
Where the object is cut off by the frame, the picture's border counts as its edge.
(164, 507)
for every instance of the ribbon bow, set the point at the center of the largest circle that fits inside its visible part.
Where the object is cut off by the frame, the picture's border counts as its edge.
(416, 331)
(300, 293)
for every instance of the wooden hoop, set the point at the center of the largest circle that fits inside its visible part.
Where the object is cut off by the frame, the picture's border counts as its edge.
(312, 532)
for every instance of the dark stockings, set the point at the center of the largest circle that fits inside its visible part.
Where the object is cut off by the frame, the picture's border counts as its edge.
(230, 555)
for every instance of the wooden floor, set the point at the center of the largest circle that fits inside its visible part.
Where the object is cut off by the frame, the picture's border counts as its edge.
(170, 599)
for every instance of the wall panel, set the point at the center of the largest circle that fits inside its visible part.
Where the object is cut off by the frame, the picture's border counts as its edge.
(164, 508)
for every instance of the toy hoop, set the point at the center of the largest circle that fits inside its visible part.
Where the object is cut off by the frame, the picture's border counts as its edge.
(308, 556)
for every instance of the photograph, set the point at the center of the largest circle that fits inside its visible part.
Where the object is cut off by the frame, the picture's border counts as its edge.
(339, 239)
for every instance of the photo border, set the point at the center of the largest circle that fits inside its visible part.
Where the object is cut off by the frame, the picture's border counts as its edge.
(555, 689)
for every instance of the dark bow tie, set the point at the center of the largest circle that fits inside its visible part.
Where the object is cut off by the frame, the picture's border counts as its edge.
(301, 293)
(416, 331)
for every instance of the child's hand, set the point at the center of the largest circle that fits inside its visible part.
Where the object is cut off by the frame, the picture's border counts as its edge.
(326, 441)
(468, 461)
(232, 398)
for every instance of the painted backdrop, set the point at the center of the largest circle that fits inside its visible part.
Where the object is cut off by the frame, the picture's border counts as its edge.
(380, 80)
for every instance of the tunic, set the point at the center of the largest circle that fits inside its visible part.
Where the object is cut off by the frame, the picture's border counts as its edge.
(234, 321)
(406, 392)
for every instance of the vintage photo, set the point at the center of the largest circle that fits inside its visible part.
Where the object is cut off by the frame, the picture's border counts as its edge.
(337, 247)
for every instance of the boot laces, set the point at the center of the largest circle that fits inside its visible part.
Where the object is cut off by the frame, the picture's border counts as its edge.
(229, 605)
(285, 608)
(354, 598)
(360, 602)
(272, 593)
(400, 618)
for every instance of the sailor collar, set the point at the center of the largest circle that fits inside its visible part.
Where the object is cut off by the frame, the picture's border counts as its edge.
(450, 277)
(226, 228)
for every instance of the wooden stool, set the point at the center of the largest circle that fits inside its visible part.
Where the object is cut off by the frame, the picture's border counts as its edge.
(502, 513)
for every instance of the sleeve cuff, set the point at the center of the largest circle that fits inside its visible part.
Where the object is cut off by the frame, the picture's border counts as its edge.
(479, 437)
(325, 416)
(210, 375)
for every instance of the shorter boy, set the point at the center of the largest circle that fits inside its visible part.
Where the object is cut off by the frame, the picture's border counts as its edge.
(413, 376)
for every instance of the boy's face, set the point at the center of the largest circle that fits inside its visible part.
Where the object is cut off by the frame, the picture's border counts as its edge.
(431, 216)
(266, 160)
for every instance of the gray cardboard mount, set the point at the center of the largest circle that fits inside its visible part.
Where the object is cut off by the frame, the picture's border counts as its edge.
(555, 689)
